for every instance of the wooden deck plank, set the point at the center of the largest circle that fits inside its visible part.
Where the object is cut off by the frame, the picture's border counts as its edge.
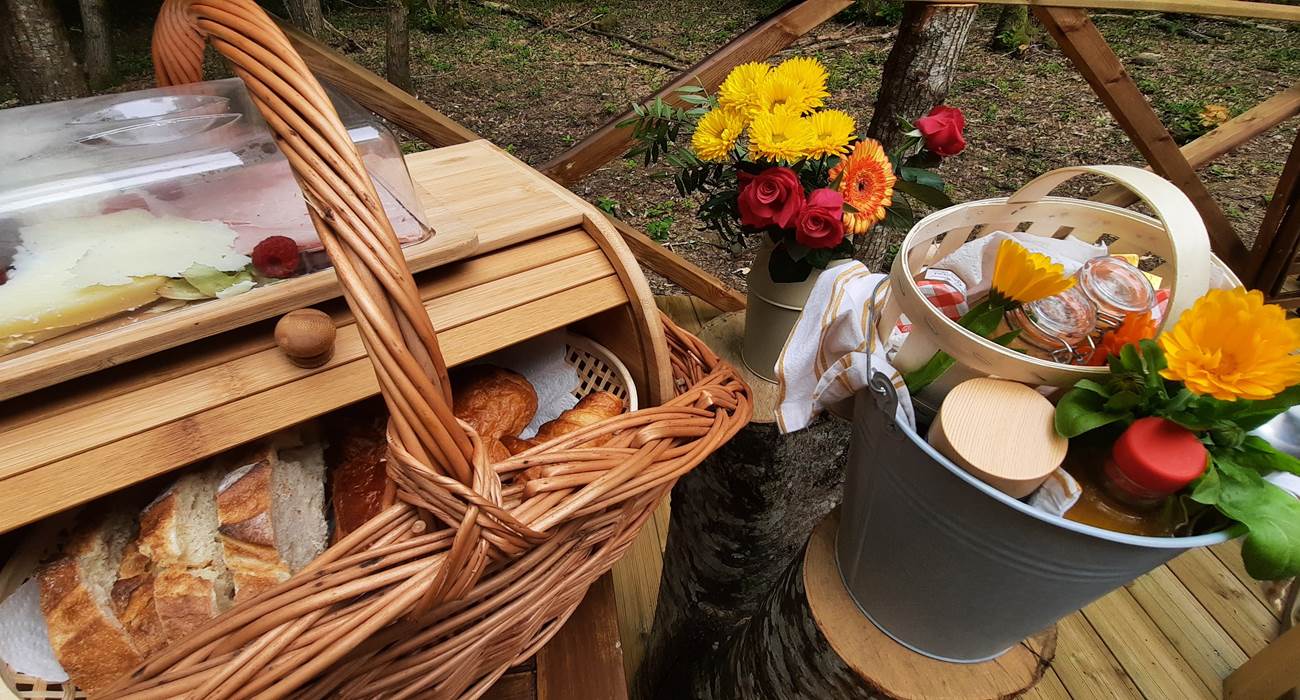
(1229, 554)
(1050, 687)
(1142, 649)
(1250, 623)
(1202, 643)
(636, 582)
(1085, 666)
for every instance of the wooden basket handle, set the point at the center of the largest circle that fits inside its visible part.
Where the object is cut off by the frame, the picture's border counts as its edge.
(344, 208)
(1189, 243)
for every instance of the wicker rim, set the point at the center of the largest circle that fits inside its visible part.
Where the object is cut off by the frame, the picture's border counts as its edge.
(473, 567)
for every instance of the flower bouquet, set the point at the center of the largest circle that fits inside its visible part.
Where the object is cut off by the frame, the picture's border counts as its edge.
(770, 159)
(1227, 367)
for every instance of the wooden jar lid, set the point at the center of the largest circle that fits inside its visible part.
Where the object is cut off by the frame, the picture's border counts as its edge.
(1001, 432)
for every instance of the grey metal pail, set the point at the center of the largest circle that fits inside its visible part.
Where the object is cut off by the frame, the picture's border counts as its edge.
(955, 569)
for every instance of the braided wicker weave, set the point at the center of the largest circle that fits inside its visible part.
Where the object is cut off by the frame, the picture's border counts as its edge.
(472, 568)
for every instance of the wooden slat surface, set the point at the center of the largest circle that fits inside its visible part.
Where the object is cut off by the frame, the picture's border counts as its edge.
(1172, 634)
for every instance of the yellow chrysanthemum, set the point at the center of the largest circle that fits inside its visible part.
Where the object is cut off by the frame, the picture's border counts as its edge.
(833, 130)
(716, 134)
(809, 73)
(740, 89)
(1231, 345)
(783, 93)
(780, 136)
(867, 184)
(1021, 276)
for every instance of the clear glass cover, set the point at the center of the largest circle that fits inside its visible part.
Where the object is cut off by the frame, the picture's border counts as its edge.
(109, 204)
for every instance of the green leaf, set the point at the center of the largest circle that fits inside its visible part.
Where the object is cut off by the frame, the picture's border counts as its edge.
(1256, 453)
(1271, 516)
(921, 177)
(926, 194)
(211, 281)
(925, 375)
(1081, 411)
(1094, 387)
(924, 159)
(1123, 401)
(690, 89)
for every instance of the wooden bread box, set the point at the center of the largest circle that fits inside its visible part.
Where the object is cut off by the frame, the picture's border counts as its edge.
(513, 256)
(517, 256)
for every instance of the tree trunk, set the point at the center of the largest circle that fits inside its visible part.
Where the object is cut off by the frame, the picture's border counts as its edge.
(38, 53)
(99, 56)
(810, 641)
(737, 521)
(307, 15)
(449, 14)
(920, 67)
(397, 59)
(1012, 29)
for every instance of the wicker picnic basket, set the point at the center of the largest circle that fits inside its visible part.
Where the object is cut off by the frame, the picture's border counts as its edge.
(472, 568)
(1176, 236)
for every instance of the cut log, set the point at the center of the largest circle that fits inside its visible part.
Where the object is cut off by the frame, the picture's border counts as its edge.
(94, 32)
(920, 67)
(37, 52)
(810, 641)
(737, 521)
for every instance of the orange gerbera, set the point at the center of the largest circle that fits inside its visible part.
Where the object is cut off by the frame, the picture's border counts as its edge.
(867, 184)
(1136, 327)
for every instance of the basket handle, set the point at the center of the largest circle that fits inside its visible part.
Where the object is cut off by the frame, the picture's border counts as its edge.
(1189, 243)
(344, 207)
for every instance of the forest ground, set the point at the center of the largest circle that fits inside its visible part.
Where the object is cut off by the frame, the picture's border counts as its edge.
(537, 90)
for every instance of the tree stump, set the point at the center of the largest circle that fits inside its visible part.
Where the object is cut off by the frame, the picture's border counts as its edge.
(737, 521)
(810, 641)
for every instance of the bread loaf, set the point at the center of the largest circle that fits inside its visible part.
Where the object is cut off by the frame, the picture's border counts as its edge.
(87, 638)
(358, 462)
(271, 512)
(178, 537)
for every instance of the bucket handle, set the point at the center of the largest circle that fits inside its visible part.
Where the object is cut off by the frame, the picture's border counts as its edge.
(1189, 243)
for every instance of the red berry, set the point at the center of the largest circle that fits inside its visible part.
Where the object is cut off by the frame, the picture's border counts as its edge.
(276, 256)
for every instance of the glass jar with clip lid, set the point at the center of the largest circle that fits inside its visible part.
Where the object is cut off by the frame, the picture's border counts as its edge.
(1056, 328)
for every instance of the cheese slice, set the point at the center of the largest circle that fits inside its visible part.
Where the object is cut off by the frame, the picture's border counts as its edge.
(71, 272)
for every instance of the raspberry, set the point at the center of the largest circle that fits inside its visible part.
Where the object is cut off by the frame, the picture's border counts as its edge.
(276, 256)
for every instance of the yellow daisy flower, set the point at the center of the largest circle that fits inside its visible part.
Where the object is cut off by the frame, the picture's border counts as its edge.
(834, 131)
(1020, 276)
(783, 93)
(716, 134)
(780, 136)
(1231, 345)
(867, 183)
(738, 91)
(808, 72)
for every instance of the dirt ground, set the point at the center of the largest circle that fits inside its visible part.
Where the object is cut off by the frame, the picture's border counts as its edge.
(536, 90)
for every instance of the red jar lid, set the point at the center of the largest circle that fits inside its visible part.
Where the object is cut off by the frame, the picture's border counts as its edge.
(1159, 455)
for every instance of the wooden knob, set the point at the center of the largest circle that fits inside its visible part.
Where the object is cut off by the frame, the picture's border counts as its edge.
(306, 336)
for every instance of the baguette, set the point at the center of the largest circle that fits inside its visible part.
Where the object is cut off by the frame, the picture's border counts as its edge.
(86, 636)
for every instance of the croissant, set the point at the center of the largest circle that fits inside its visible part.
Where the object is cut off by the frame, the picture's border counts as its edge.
(592, 408)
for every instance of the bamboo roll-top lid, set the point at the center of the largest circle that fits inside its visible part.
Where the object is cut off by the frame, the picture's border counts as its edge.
(1001, 432)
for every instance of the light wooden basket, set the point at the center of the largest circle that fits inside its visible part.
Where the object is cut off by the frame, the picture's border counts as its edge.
(1177, 235)
(471, 568)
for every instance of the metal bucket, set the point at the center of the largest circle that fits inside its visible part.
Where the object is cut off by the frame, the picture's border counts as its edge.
(955, 569)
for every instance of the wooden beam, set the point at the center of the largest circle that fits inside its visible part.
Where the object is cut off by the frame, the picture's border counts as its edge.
(1270, 673)
(584, 659)
(1080, 40)
(755, 44)
(692, 278)
(1274, 252)
(438, 130)
(1224, 8)
(1226, 138)
(378, 95)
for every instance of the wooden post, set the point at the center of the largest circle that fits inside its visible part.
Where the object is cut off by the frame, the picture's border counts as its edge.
(737, 521)
(1080, 40)
(810, 641)
(1274, 251)
(94, 32)
(920, 67)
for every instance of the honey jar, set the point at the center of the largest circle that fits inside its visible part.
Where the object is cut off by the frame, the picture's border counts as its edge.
(1116, 289)
(1057, 328)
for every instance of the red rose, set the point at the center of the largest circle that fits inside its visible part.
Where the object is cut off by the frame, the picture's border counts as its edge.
(821, 223)
(942, 129)
(770, 198)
